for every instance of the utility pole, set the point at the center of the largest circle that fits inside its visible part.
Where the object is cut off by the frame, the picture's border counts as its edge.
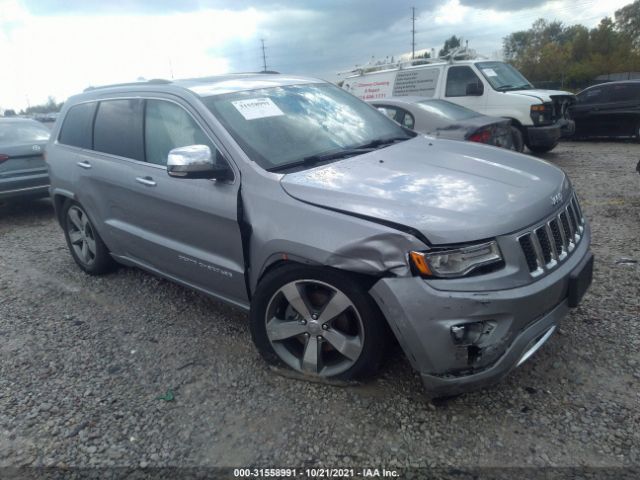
(264, 57)
(413, 32)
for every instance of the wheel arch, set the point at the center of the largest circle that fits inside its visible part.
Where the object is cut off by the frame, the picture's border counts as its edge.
(60, 197)
(285, 260)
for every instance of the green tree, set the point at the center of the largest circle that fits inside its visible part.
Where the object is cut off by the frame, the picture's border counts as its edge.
(450, 44)
(48, 107)
(628, 22)
(573, 56)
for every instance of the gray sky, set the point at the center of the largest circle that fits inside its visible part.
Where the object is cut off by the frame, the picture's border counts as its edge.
(59, 47)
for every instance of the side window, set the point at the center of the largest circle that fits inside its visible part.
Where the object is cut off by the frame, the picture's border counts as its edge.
(390, 112)
(408, 120)
(461, 81)
(118, 128)
(620, 93)
(169, 126)
(399, 115)
(76, 128)
(593, 95)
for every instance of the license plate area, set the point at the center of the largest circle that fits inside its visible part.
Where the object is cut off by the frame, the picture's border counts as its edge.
(580, 280)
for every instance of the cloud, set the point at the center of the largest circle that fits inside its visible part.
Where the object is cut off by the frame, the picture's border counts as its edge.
(53, 47)
(63, 55)
(504, 5)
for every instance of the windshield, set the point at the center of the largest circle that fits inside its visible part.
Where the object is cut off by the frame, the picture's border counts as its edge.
(282, 126)
(503, 76)
(447, 110)
(16, 132)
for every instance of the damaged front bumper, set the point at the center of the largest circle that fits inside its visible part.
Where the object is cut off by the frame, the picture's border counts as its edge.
(547, 135)
(506, 326)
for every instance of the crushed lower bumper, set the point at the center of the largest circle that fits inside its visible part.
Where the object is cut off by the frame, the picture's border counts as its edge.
(513, 323)
(524, 345)
(545, 136)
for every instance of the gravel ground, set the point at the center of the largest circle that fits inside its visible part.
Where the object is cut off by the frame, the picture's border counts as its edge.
(84, 362)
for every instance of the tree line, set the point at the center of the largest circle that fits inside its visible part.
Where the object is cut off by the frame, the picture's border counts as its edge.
(572, 56)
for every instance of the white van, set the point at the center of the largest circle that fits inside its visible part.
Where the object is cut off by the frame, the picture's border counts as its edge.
(493, 88)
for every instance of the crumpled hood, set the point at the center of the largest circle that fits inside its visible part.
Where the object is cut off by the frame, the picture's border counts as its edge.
(449, 191)
(542, 95)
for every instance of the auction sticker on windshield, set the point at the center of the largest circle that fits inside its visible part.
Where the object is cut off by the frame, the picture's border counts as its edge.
(490, 72)
(257, 108)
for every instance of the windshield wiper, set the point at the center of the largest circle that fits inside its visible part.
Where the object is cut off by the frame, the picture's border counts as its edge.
(335, 155)
(312, 160)
(380, 142)
(524, 86)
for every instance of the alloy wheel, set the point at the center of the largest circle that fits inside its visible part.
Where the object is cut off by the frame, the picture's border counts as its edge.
(81, 236)
(314, 328)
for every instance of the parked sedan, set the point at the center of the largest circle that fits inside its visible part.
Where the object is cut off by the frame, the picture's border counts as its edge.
(444, 119)
(23, 172)
(608, 110)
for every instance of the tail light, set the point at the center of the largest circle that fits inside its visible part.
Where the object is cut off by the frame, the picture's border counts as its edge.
(3, 157)
(481, 136)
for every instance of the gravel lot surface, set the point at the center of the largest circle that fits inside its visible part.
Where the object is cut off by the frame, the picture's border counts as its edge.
(85, 360)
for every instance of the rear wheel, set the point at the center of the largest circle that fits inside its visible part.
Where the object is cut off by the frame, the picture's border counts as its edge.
(86, 247)
(318, 322)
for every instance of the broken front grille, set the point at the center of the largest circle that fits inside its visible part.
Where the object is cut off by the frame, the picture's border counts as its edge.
(546, 245)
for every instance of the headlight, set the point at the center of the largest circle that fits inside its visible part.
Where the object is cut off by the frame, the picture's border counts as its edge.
(542, 113)
(455, 262)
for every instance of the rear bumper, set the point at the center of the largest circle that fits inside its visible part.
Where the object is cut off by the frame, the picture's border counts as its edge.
(24, 184)
(546, 136)
(521, 320)
(25, 192)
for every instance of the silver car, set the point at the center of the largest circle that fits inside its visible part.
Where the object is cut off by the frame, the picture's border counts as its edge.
(329, 222)
(443, 119)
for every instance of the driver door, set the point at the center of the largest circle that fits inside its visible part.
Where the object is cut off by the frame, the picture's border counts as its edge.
(464, 87)
(185, 229)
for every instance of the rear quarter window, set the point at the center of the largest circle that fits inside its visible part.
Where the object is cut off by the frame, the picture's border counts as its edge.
(118, 128)
(77, 124)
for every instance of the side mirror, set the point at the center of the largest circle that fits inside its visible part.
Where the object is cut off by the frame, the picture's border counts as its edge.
(195, 161)
(474, 89)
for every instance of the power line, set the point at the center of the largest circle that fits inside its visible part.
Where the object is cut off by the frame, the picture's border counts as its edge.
(413, 32)
(264, 57)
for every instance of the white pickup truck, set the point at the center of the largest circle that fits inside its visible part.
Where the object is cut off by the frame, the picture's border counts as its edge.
(539, 117)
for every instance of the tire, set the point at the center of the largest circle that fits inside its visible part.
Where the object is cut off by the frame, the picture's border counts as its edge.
(86, 247)
(347, 345)
(542, 149)
(517, 139)
(638, 132)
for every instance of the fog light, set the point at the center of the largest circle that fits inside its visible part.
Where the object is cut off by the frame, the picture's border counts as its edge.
(471, 333)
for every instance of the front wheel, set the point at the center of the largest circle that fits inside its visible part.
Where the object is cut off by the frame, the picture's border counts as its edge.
(319, 322)
(542, 148)
(517, 139)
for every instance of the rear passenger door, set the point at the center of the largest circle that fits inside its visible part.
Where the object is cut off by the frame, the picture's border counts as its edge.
(622, 111)
(185, 229)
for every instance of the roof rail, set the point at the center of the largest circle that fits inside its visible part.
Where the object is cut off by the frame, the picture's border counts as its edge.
(153, 81)
(457, 54)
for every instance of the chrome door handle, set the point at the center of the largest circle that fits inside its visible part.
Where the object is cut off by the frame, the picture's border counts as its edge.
(84, 164)
(148, 181)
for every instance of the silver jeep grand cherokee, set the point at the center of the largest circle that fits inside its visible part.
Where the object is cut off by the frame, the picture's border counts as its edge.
(291, 198)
